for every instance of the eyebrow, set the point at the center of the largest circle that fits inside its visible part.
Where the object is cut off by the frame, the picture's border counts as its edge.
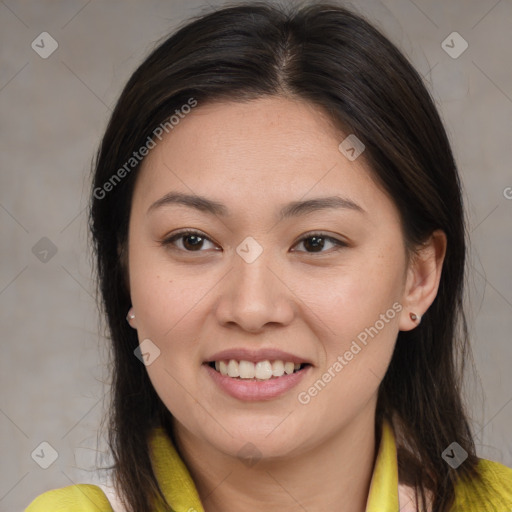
(292, 209)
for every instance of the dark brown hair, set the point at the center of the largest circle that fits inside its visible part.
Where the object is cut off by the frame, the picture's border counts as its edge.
(336, 60)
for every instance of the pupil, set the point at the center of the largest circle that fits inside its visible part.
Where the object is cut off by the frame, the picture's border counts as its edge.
(196, 244)
(316, 244)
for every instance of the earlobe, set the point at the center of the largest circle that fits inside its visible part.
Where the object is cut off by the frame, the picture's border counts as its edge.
(423, 277)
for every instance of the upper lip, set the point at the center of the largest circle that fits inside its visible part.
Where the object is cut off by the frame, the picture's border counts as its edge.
(243, 354)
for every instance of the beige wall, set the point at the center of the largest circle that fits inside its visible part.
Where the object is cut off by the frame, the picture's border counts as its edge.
(53, 112)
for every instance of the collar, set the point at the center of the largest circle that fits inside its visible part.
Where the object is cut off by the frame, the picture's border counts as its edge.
(181, 493)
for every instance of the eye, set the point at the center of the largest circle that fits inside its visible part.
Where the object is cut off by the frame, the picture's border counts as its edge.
(316, 242)
(193, 241)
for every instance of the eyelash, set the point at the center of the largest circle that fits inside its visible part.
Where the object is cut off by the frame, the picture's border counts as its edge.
(181, 234)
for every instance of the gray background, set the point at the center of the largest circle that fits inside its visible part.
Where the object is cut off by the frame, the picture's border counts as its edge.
(53, 112)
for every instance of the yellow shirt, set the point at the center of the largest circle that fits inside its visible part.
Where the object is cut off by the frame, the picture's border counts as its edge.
(385, 494)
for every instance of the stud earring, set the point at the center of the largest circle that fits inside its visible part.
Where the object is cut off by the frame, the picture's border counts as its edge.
(130, 316)
(414, 317)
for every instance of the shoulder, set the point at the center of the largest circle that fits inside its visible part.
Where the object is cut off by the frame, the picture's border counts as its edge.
(74, 498)
(492, 492)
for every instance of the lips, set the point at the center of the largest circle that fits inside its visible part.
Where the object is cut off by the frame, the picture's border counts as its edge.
(255, 389)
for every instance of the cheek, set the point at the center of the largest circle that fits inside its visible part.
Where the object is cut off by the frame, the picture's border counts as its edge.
(359, 312)
(167, 302)
(358, 346)
(163, 295)
(351, 297)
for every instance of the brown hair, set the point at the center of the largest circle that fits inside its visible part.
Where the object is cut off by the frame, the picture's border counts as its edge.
(335, 59)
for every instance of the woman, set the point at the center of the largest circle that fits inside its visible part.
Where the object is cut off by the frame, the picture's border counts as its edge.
(279, 231)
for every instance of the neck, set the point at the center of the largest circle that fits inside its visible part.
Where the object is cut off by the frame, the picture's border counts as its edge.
(333, 475)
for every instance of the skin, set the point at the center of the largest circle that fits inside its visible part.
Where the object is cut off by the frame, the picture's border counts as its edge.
(254, 157)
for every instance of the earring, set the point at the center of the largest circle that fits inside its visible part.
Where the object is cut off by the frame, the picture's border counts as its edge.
(130, 316)
(414, 317)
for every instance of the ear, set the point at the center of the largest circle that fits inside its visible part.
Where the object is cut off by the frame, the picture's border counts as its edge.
(423, 276)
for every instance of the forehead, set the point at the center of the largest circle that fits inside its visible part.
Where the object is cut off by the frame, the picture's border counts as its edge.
(272, 149)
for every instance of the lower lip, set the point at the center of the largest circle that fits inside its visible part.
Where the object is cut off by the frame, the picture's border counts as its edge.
(252, 390)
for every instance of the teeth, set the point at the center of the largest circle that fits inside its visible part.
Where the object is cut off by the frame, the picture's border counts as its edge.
(233, 369)
(262, 370)
(247, 369)
(277, 368)
(288, 368)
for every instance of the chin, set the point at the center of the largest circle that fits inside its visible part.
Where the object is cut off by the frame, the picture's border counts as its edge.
(258, 443)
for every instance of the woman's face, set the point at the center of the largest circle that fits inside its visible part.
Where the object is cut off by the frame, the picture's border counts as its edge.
(249, 282)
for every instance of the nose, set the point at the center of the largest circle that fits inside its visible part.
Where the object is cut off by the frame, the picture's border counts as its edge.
(254, 295)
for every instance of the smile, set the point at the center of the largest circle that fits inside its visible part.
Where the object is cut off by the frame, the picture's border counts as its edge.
(261, 370)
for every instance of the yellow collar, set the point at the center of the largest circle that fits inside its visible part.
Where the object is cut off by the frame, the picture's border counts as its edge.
(181, 493)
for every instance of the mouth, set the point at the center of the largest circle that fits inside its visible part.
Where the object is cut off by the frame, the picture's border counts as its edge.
(258, 371)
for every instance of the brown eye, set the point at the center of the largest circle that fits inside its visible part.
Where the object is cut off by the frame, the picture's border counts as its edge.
(315, 242)
(192, 241)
